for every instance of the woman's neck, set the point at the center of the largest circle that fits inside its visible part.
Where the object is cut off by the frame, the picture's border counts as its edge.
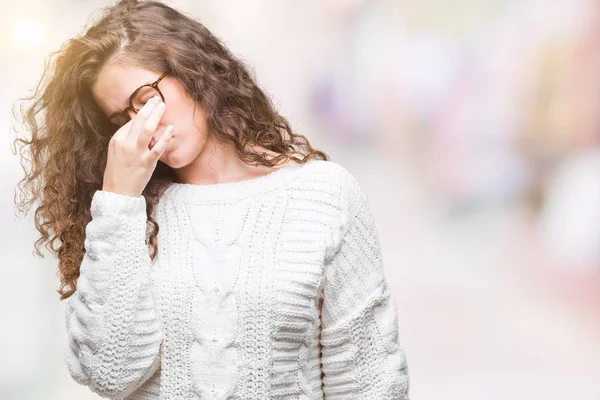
(218, 162)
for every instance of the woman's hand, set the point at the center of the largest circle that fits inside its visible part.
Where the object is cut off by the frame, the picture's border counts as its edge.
(131, 160)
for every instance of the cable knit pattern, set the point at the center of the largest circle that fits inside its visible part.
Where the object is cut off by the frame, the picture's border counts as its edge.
(114, 333)
(362, 357)
(269, 288)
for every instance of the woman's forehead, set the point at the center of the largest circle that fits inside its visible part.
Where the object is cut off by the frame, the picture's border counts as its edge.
(115, 83)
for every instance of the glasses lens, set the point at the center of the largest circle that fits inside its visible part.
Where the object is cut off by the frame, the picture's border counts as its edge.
(143, 95)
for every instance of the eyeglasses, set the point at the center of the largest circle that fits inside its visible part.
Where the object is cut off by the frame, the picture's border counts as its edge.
(137, 100)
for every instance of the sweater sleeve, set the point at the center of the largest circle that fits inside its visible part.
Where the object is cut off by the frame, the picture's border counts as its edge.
(361, 354)
(113, 332)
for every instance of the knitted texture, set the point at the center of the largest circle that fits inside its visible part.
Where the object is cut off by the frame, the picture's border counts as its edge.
(269, 288)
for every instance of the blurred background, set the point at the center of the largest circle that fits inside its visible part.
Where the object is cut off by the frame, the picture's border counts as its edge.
(472, 125)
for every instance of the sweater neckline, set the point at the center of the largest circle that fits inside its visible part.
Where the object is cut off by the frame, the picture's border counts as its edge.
(236, 190)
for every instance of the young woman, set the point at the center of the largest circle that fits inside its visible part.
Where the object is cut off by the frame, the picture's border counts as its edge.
(222, 259)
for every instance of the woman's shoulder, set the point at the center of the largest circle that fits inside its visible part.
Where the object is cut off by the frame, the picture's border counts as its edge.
(327, 170)
(333, 183)
(334, 175)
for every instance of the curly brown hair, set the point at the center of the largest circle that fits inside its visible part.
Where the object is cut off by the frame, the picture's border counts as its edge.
(65, 157)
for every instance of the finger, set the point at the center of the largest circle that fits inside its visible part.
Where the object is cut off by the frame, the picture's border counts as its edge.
(151, 125)
(123, 131)
(138, 121)
(162, 144)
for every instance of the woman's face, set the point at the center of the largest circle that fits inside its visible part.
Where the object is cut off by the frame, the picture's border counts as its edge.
(116, 83)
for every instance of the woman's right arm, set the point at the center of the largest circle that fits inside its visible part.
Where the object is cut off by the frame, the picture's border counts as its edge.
(113, 330)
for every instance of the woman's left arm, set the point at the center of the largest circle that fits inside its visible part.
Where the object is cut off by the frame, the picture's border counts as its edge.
(362, 357)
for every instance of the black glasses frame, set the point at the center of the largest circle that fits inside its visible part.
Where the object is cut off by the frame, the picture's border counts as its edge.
(153, 85)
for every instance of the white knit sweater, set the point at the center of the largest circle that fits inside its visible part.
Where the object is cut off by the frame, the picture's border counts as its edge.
(269, 288)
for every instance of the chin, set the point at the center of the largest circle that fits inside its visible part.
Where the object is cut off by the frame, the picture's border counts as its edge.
(176, 159)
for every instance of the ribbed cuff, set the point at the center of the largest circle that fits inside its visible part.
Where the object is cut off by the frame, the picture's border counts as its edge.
(105, 202)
